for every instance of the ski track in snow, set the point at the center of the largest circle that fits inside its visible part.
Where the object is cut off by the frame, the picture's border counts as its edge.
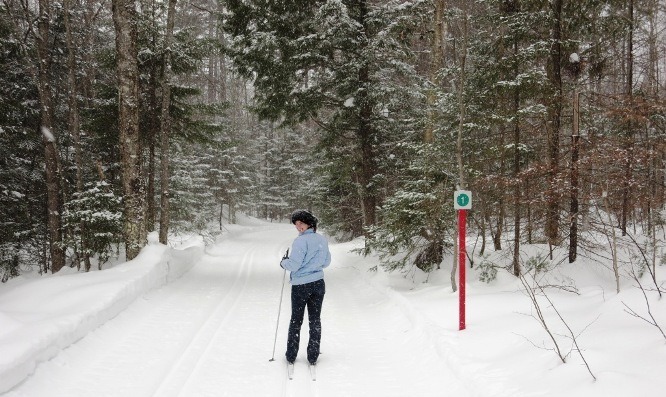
(210, 333)
(190, 360)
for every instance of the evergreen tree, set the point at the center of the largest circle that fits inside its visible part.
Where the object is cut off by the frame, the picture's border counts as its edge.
(22, 229)
(193, 206)
(416, 219)
(94, 217)
(506, 106)
(346, 65)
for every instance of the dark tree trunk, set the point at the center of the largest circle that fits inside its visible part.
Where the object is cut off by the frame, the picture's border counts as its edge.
(366, 136)
(554, 104)
(516, 174)
(165, 130)
(499, 227)
(53, 174)
(74, 122)
(437, 56)
(629, 134)
(573, 209)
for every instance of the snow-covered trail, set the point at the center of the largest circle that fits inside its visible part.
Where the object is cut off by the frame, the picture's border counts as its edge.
(210, 333)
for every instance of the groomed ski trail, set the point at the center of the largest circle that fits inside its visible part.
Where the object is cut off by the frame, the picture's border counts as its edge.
(210, 333)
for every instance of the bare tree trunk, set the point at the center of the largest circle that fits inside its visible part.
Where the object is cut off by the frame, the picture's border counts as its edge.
(652, 12)
(125, 20)
(53, 173)
(151, 211)
(499, 227)
(516, 172)
(528, 212)
(613, 243)
(365, 135)
(153, 127)
(626, 189)
(213, 69)
(74, 120)
(222, 76)
(461, 107)
(165, 130)
(91, 12)
(481, 226)
(554, 105)
(462, 184)
(436, 59)
(573, 208)
(454, 265)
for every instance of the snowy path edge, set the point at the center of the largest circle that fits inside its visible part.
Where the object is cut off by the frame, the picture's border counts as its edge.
(155, 266)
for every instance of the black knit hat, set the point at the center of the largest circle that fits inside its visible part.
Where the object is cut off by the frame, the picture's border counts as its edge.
(306, 217)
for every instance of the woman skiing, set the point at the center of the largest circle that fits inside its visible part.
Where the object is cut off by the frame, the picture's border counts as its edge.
(309, 256)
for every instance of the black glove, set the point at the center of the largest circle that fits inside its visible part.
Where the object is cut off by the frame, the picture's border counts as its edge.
(286, 256)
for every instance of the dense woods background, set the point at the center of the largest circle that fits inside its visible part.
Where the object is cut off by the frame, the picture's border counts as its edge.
(122, 117)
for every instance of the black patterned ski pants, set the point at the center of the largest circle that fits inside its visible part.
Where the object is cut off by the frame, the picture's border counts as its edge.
(312, 296)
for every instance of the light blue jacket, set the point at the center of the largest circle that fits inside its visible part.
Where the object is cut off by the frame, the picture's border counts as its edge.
(308, 257)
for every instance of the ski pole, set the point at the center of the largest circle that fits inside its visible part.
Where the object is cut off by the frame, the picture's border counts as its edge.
(277, 324)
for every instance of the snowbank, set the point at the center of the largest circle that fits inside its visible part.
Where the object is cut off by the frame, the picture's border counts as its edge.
(53, 312)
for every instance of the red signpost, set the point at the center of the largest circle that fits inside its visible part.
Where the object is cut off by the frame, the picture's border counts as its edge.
(462, 201)
(462, 252)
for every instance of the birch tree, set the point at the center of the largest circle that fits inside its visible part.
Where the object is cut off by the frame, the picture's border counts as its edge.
(124, 17)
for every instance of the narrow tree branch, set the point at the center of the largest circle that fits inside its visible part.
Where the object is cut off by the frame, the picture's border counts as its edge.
(573, 337)
(531, 293)
(632, 312)
(653, 276)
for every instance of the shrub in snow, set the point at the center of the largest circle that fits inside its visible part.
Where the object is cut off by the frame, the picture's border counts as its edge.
(487, 270)
(537, 264)
(93, 221)
(9, 263)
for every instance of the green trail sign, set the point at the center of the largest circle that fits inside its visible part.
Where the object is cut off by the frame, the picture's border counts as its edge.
(462, 200)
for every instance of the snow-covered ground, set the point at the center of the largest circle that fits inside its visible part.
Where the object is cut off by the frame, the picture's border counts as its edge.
(200, 321)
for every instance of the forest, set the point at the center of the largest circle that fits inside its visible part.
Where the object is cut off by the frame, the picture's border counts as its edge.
(120, 118)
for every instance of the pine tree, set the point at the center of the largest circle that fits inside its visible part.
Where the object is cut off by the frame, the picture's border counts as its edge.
(95, 217)
(343, 64)
(505, 90)
(21, 179)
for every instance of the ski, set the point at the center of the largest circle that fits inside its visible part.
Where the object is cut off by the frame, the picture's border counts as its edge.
(313, 372)
(290, 370)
